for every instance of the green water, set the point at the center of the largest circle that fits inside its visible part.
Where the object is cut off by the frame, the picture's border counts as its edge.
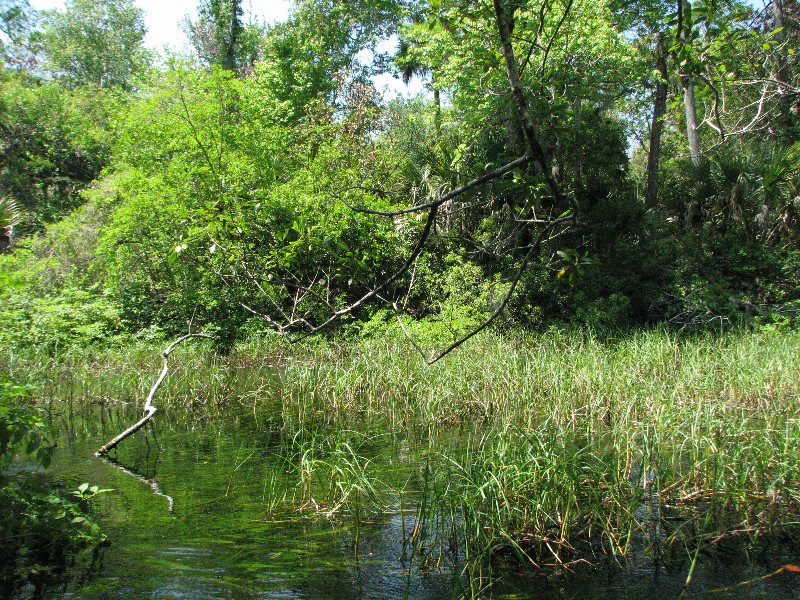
(242, 526)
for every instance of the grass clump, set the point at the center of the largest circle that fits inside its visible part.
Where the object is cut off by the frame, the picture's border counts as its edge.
(567, 436)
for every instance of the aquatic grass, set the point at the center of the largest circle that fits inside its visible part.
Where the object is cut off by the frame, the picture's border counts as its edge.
(198, 375)
(547, 448)
(573, 377)
(537, 495)
(333, 475)
(581, 379)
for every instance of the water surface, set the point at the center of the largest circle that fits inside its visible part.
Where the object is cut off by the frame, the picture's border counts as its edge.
(242, 528)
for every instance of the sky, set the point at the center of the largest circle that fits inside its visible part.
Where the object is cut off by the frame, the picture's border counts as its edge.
(163, 19)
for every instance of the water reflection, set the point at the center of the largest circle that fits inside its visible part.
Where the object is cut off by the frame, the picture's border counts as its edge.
(235, 533)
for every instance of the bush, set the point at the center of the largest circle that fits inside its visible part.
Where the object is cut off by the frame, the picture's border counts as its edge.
(73, 317)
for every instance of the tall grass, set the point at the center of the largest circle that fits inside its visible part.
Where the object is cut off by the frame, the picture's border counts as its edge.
(565, 437)
(199, 376)
(546, 447)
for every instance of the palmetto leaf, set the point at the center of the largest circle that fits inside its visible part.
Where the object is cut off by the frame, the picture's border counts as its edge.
(10, 213)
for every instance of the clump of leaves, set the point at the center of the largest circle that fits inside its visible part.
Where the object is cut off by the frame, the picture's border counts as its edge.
(43, 534)
(22, 424)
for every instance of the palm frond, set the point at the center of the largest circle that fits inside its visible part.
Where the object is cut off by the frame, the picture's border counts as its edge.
(10, 213)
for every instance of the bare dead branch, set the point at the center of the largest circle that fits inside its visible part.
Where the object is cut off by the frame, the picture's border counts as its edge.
(441, 199)
(718, 127)
(148, 407)
(372, 294)
(534, 247)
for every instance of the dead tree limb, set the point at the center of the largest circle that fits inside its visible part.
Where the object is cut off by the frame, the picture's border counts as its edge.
(148, 409)
(498, 310)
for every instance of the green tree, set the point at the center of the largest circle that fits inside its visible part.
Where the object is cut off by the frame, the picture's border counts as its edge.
(95, 41)
(647, 19)
(311, 55)
(410, 68)
(18, 33)
(54, 142)
(222, 39)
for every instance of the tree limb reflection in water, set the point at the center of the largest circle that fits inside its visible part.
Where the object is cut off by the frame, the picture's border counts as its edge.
(151, 483)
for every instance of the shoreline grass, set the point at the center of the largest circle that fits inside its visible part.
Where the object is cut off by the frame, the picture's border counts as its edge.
(564, 439)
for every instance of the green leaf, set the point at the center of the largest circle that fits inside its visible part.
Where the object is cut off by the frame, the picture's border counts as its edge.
(83, 487)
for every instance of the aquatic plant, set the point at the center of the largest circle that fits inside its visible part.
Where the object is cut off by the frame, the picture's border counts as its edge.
(544, 449)
(45, 535)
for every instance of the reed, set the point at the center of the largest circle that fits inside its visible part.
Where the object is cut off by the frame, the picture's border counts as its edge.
(548, 448)
(571, 436)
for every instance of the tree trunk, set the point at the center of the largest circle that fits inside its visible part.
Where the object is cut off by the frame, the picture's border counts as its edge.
(690, 109)
(437, 100)
(682, 35)
(534, 146)
(777, 13)
(657, 126)
(229, 28)
(577, 110)
(787, 117)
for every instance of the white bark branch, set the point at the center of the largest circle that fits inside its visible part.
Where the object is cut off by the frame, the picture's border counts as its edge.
(148, 408)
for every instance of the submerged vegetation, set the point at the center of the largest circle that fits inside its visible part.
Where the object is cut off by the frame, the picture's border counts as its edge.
(46, 535)
(541, 449)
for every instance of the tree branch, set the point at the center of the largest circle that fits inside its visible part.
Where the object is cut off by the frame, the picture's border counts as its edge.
(148, 408)
(496, 313)
(399, 273)
(522, 160)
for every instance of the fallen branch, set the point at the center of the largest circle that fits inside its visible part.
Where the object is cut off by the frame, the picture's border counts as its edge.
(149, 409)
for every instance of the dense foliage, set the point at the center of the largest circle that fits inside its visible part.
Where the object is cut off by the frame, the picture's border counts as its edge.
(604, 164)
(266, 183)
